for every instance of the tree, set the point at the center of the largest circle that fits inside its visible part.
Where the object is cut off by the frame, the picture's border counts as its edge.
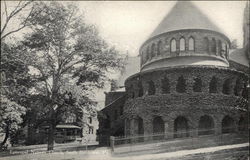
(15, 83)
(8, 15)
(10, 117)
(70, 58)
(234, 44)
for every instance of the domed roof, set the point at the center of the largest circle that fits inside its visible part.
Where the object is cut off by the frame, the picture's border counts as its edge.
(184, 15)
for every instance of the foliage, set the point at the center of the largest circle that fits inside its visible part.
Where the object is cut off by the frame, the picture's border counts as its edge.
(70, 59)
(234, 44)
(10, 116)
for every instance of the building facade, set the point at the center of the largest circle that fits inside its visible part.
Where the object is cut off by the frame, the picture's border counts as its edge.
(187, 84)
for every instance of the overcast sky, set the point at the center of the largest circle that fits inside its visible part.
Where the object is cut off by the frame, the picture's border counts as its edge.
(127, 24)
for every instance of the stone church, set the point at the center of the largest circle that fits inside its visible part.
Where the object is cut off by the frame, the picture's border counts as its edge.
(189, 82)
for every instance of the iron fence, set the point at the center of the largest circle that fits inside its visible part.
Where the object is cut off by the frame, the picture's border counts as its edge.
(177, 140)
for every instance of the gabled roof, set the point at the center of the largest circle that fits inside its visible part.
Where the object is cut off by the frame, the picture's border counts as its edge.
(184, 15)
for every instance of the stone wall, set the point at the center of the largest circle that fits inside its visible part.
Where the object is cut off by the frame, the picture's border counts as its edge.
(111, 119)
(227, 100)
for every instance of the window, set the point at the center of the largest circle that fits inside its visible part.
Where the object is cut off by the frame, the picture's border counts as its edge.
(206, 43)
(181, 85)
(191, 44)
(182, 44)
(153, 50)
(151, 88)
(159, 48)
(213, 85)
(220, 48)
(165, 86)
(213, 45)
(223, 51)
(91, 130)
(173, 45)
(226, 87)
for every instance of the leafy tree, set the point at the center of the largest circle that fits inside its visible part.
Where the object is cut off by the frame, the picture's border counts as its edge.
(234, 44)
(15, 83)
(10, 117)
(70, 58)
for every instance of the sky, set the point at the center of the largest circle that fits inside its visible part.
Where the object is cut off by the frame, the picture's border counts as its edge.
(127, 24)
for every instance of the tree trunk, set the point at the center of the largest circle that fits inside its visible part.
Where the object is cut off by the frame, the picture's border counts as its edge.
(7, 132)
(51, 138)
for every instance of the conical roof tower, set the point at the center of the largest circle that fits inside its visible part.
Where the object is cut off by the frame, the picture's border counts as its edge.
(185, 37)
(184, 15)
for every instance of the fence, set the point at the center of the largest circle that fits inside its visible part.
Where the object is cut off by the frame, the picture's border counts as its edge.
(177, 140)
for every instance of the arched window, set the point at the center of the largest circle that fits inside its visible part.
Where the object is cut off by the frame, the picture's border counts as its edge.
(227, 125)
(140, 90)
(181, 85)
(165, 86)
(220, 48)
(226, 87)
(213, 46)
(151, 88)
(206, 125)
(153, 50)
(158, 127)
(197, 85)
(213, 85)
(206, 43)
(182, 44)
(173, 45)
(159, 48)
(191, 44)
(181, 127)
(223, 50)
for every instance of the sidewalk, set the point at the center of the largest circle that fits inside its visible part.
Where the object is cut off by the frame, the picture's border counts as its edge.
(103, 153)
(184, 152)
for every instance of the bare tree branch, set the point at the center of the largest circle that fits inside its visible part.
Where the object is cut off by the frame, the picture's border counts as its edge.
(13, 13)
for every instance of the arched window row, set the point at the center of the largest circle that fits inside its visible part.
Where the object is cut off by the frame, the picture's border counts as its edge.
(182, 126)
(227, 87)
(157, 48)
(212, 45)
(216, 47)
